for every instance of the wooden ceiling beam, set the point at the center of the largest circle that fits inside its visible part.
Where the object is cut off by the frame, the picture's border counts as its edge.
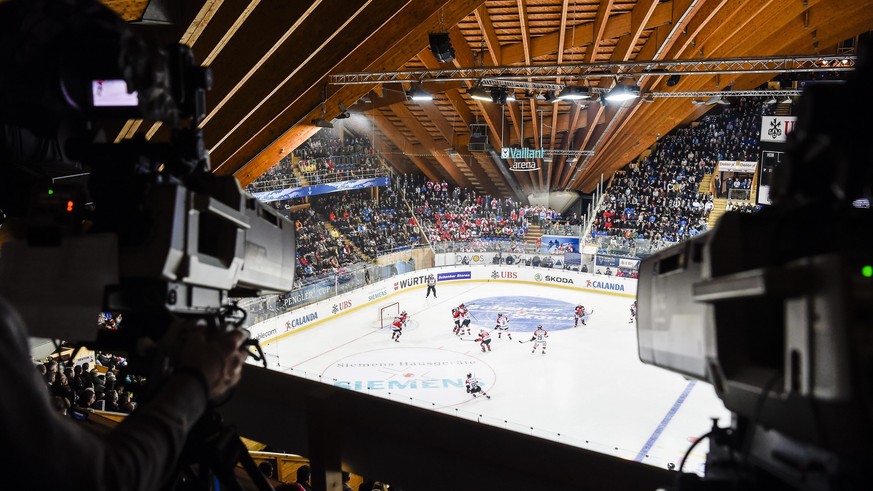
(438, 150)
(395, 43)
(787, 36)
(708, 13)
(623, 52)
(582, 35)
(392, 133)
(598, 30)
(448, 132)
(464, 58)
(463, 110)
(488, 33)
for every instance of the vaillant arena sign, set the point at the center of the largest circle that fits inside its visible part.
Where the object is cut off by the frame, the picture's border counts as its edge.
(524, 159)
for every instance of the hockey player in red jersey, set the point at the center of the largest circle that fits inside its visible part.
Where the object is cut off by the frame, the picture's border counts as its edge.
(484, 340)
(456, 316)
(473, 387)
(633, 310)
(582, 316)
(465, 318)
(539, 337)
(397, 326)
(580, 311)
(502, 325)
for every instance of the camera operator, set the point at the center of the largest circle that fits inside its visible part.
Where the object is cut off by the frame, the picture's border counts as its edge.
(39, 448)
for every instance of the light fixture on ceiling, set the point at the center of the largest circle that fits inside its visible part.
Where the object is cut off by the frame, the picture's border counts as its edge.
(549, 96)
(787, 100)
(320, 121)
(575, 93)
(441, 46)
(648, 97)
(479, 93)
(418, 94)
(344, 112)
(770, 101)
(697, 102)
(622, 93)
(717, 99)
(500, 95)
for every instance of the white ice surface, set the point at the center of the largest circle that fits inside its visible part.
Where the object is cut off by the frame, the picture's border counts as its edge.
(589, 390)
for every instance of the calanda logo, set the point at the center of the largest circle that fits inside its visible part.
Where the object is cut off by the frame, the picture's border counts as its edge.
(604, 285)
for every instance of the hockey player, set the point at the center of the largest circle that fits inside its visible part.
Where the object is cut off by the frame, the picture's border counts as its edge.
(582, 316)
(539, 337)
(456, 316)
(484, 340)
(579, 312)
(473, 387)
(431, 286)
(397, 326)
(502, 325)
(633, 310)
(465, 318)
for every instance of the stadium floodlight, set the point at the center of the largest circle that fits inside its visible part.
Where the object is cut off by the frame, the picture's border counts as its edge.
(418, 94)
(479, 93)
(575, 93)
(622, 93)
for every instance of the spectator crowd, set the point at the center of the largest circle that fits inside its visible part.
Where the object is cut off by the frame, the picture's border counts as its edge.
(324, 158)
(85, 387)
(659, 198)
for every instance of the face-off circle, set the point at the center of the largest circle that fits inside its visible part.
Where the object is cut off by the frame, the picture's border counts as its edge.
(429, 375)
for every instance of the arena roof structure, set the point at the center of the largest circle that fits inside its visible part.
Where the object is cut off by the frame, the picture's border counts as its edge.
(279, 65)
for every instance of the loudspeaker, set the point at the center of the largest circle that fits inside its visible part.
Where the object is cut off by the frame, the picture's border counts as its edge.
(673, 80)
(441, 47)
(478, 137)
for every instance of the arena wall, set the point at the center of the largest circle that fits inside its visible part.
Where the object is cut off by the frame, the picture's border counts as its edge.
(380, 293)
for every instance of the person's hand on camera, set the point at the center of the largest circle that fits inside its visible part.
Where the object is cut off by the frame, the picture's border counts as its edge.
(219, 357)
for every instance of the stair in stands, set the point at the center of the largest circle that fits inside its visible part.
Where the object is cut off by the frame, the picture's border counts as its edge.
(336, 233)
(783, 109)
(295, 161)
(534, 232)
(718, 207)
(705, 184)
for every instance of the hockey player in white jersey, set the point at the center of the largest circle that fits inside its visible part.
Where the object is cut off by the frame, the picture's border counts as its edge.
(539, 338)
(473, 386)
(502, 325)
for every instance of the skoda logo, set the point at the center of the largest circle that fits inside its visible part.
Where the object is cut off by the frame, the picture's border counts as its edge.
(538, 277)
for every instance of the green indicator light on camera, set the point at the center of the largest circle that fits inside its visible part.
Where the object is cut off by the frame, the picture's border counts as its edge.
(867, 271)
(51, 192)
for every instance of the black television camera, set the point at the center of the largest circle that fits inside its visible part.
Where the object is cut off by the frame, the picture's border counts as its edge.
(136, 227)
(774, 309)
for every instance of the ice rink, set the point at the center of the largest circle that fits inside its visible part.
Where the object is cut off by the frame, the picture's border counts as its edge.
(589, 389)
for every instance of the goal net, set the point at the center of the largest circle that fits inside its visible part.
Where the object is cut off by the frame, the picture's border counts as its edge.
(387, 313)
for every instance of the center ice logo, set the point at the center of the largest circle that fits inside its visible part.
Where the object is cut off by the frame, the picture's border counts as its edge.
(525, 313)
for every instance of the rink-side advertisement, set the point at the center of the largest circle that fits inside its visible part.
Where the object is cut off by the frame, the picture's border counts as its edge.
(381, 292)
